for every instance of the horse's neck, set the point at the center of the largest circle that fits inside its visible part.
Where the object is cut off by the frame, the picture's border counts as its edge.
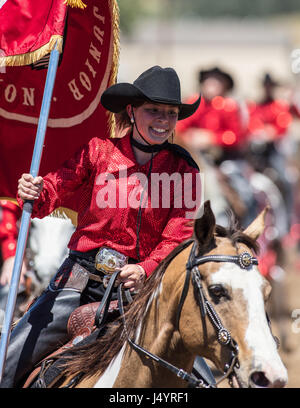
(158, 335)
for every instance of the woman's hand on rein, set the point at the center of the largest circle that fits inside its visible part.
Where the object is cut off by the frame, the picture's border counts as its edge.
(133, 277)
(29, 187)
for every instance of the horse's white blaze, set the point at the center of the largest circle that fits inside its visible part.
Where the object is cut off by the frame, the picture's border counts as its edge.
(110, 374)
(258, 335)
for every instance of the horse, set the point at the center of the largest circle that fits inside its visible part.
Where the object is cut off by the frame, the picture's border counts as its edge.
(206, 298)
(48, 240)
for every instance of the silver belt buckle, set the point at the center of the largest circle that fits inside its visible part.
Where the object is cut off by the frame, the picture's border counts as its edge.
(108, 260)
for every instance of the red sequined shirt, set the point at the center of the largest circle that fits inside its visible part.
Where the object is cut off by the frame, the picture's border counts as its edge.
(222, 117)
(108, 175)
(273, 117)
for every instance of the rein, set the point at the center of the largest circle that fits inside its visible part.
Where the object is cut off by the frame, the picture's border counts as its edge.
(190, 378)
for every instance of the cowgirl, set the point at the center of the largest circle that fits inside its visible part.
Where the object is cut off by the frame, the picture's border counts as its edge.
(142, 234)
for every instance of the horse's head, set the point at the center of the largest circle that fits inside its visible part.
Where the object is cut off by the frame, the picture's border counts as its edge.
(237, 292)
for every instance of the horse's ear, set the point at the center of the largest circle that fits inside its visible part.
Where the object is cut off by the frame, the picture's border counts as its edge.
(204, 227)
(256, 228)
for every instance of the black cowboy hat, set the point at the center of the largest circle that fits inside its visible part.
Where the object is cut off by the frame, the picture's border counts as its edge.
(217, 73)
(156, 84)
(268, 80)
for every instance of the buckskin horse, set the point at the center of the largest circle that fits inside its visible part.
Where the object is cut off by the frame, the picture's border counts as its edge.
(207, 298)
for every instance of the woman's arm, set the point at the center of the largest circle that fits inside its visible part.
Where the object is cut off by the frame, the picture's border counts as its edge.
(49, 191)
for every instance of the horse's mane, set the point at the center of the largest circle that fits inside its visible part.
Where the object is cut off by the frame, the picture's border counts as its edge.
(95, 357)
(235, 234)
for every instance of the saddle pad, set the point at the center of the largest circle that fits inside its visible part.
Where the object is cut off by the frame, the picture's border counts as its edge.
(81, 322)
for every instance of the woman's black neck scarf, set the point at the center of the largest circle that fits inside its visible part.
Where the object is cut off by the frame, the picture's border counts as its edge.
(176, 149)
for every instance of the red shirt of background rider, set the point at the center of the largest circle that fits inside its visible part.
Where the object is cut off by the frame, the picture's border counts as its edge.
(10, 214)
(218, 119)
(269, 119)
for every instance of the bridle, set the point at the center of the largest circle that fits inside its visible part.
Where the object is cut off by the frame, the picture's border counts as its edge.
(245, 261)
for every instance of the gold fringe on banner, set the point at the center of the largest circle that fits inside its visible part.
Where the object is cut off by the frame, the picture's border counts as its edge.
(65, 213)
(13, 200)
(32, 57)
(75, 3)
(115, 17)
(60, 212)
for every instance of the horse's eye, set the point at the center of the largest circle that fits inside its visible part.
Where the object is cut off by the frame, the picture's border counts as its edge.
(217, 291)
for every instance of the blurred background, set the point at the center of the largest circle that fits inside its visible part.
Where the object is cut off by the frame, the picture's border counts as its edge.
(257, 44)
(247, 38)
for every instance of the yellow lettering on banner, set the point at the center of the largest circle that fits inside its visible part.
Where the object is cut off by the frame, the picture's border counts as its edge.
(10, 93)
(85, 81)
(28, 96)
(98, 16)
(96, 54)
(93, 72)
(75, 91)
(98, 34)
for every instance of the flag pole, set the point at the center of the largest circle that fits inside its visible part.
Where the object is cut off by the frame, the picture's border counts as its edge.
(27, 209)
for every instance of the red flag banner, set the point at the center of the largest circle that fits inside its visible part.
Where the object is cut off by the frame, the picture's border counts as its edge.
(29, 30)
(89, 63)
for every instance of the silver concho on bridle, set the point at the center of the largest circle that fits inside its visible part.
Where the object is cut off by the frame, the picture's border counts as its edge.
(224, 336)
(245, 260)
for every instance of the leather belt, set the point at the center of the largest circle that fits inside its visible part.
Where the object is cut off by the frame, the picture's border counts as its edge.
(87, 260)
(90, 255)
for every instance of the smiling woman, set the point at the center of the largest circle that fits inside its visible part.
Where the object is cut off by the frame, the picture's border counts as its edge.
(152, 105)
(154, 123)
(143, 234)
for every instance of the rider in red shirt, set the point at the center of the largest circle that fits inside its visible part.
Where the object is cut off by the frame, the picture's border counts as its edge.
(122, 208)
(9, 216)
(270, 118)
(268, 131)
(218, 122)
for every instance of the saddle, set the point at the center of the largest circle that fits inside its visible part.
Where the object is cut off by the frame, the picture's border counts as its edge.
(82, 322)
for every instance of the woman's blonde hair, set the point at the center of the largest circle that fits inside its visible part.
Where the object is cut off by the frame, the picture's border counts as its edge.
(122, 118)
